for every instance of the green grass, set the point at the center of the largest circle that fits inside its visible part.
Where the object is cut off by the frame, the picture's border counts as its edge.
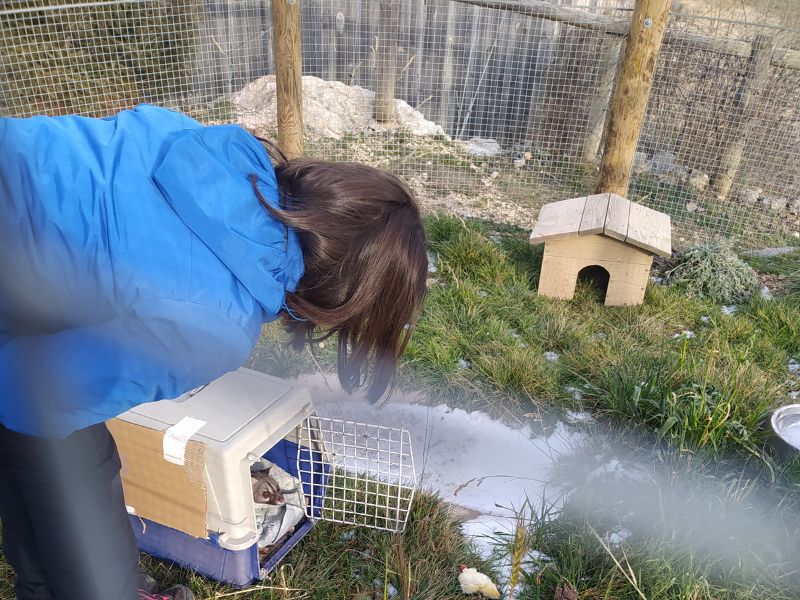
(336, 561)
(482, 343)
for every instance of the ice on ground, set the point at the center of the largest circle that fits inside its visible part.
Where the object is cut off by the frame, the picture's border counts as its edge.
(470, 459)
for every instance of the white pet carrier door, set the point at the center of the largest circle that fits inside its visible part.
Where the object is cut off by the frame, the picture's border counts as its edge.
(367, 472)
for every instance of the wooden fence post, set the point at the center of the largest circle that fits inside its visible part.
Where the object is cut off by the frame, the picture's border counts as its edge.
(288, 71)
(386, 60)
(628, 106)
(741, 115)
(610, 47)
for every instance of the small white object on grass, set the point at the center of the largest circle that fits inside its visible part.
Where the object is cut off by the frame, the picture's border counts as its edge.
(551, 356)
(705, 319)
(729, 310)
(686, 334)
(463, 364)
(794, 366)
(578, 396)
(766, 293)
(794, 396)
(432, 263)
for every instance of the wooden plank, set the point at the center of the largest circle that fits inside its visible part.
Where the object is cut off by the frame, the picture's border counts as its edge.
(782, 57)
(618, 217)
(627, 282)
(648, 23)
(594, 215)
(559, 219)
(650, 230)
(597, 249)
(552, 12)
(558, 276)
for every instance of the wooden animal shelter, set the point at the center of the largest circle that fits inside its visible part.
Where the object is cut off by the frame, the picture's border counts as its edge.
(602, 238)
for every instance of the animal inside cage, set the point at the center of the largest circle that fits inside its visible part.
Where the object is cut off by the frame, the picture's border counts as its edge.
(229, 478)
(369, 468)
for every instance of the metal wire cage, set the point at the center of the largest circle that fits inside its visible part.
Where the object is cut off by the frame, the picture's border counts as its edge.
(368, 472)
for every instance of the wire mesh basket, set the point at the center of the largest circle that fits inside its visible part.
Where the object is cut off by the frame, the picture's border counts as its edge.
(368, 472)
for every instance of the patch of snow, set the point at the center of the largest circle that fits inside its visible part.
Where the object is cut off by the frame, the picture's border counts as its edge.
(463, 364)
(433, 262)
(705, 319)
(729, 310)
(794, 366)
(657, 280)
(617, 537)
(686, 334)
(576, 394)
(551, 356)
(794, 396)
(575, 417)
(766, 293)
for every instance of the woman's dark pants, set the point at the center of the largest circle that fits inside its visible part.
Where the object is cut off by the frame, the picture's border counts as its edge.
(65, 527)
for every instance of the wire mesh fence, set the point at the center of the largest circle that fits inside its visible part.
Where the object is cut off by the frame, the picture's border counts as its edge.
(489, 108)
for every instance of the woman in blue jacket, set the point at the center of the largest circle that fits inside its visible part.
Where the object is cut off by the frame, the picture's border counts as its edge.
(141, 255)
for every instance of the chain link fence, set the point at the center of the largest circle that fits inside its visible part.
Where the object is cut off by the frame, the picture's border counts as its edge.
(489, 108)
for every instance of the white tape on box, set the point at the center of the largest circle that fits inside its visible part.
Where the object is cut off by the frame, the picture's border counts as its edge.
(176, 438)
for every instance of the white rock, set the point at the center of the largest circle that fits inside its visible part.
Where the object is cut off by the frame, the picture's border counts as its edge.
(330, 109)
(774, 203)
(752, 196)
(699, 180)
(639, 162)
(692, 207)
(482, 147)
(663, 162)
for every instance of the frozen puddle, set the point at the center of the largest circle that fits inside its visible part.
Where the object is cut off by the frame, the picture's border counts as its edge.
(469, 459)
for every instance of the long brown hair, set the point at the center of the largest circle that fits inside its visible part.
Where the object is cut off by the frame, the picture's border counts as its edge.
(364, 250)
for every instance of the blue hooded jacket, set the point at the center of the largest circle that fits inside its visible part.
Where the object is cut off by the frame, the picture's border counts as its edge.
(137, 262)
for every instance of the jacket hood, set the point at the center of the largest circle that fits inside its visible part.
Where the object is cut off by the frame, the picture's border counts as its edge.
(204, 175)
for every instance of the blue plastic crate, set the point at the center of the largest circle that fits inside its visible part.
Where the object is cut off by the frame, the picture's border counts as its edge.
(236, 567)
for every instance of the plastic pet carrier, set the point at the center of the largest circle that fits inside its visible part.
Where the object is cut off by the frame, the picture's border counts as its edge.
(194, 468)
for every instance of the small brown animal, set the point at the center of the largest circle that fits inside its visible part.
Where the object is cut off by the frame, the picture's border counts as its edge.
(265, 489)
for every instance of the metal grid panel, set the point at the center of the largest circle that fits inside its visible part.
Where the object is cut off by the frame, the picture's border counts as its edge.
(370, 472)
(536, 85)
